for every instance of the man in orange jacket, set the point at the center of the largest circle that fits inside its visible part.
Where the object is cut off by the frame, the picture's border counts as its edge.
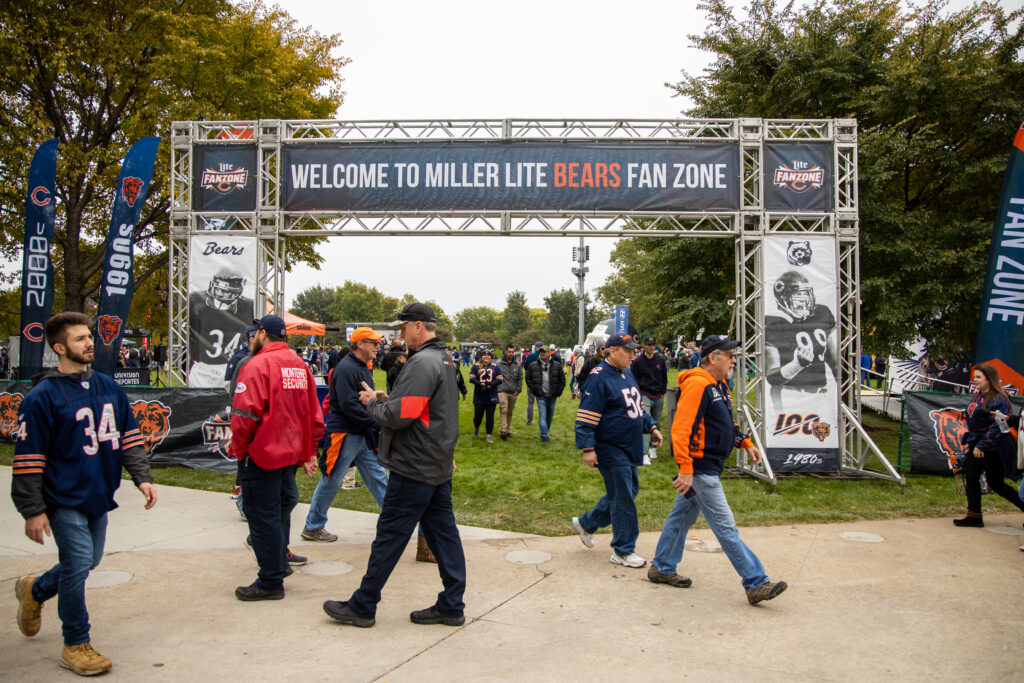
(276, 422)
(703, 435)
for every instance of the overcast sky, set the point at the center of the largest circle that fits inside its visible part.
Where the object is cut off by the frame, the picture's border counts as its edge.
(465, 59)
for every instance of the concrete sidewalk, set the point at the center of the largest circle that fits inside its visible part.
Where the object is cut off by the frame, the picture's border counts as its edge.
(905, 599)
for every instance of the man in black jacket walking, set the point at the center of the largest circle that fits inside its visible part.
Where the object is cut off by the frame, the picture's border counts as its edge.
(650, 370)
(417, 443)
(545, 380)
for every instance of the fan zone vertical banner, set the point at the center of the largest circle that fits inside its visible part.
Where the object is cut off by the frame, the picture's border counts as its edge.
(117, 286)
(801, 423)
(37, 269)
(1001, 327)
(221, 291)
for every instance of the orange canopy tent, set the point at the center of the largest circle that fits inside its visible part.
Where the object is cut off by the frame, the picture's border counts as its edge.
(293, 324)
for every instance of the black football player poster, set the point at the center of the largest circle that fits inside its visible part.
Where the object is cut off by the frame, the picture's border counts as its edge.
(802, 416)
(221, 290)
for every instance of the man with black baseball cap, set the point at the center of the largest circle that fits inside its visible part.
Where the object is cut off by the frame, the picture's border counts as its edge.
(610, 425)
(704, 433)
(650, 370)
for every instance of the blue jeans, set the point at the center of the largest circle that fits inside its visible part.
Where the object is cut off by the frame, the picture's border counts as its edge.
(1020, 490)
(545, 413)
(653, 407)
(270, 495)
(710, 500)
(353, 450)
(407, 502)
(617, 508)
(79, 540)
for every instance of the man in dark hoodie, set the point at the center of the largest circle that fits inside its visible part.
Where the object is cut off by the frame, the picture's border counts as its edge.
(417, 443)
(75, 432)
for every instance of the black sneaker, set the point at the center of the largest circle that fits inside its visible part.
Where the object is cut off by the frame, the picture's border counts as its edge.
(766, 591)
(252, 593)
(969, 521)
(340, 611)
(431, 615)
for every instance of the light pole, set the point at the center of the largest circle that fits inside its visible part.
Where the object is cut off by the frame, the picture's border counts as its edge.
(581, 255)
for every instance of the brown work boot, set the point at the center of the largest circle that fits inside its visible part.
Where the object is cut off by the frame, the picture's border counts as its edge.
(30, 612)
(84, 660)
(766, 591)
(673, 579)
(423, 553)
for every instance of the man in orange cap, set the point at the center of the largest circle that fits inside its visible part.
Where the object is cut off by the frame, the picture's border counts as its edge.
(350, 434)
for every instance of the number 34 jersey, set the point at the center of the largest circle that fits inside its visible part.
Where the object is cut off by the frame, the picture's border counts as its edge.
(611, 419)
(73, 430)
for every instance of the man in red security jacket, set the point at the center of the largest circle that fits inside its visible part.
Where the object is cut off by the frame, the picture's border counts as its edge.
(276, 422)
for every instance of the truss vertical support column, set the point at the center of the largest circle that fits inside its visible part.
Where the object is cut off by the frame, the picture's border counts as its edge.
(270, 249)
(182, 139)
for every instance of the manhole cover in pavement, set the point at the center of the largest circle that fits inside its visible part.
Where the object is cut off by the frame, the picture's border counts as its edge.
(861, 537)
(107, 579)
(327, 568)
(527, 557)
(1006, 530)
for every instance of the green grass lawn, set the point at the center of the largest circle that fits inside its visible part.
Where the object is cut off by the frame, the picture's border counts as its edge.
(528, 486)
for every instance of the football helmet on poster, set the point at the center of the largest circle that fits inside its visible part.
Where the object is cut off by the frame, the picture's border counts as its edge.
(225, 288)
(794, 295)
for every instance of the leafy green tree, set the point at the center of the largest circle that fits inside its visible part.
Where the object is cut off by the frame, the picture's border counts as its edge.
(99, 76)
(315, 303)
(563, 315)
(476, 320)
(356, 302)
(938, 96)
(517, 314)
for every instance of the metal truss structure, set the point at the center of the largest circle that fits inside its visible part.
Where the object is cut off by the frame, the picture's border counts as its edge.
(748, 227)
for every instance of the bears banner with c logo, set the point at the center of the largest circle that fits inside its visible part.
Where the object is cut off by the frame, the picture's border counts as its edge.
(802, 412)
(37, 269)
(117, 285)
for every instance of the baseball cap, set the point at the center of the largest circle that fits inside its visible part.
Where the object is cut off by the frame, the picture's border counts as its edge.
(250, 331)
(271, 324)
(415, 312)
(361, 333)
(537, 345)
(649, 340)
(621, 340)
(551, 348)
(717, 342)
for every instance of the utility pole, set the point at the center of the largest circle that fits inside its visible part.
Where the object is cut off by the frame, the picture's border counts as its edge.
(581, 255)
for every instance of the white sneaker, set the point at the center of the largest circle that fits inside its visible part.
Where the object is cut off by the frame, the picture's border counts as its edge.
(653, 453)
(585, 536)
(647, 459)
(632, 560)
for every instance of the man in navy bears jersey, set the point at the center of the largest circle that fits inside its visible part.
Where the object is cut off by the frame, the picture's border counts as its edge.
(801, 344)
(75, 431)
(610, 425)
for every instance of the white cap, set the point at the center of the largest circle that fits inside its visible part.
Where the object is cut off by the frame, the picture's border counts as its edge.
(552, 347)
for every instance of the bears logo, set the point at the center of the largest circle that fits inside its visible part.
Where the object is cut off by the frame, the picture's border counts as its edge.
(821, 430)
(154, 420)
(217, 433)
(9, 404)
(799, 253)
(40, 196)
(34, 332)
(108, 327)
(949, 425)
(131, 187)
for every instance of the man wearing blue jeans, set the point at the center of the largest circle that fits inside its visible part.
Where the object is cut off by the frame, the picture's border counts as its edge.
(75, 432)
(610, 426)
(703, 435)
(545, 379)
(350, 435)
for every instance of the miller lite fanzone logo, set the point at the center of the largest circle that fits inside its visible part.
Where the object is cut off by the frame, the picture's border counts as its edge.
(225, 178)
(108, 327)
(800, 176)
(130, 189)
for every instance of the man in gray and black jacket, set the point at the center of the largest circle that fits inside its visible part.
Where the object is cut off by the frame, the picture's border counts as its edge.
(420, 426)
(509, 389)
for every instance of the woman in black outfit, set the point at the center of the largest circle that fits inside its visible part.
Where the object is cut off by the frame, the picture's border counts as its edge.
(986, 446)
(486, 376)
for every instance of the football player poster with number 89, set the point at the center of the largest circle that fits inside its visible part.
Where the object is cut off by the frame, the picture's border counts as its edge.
(801, 421)
(221, 289)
